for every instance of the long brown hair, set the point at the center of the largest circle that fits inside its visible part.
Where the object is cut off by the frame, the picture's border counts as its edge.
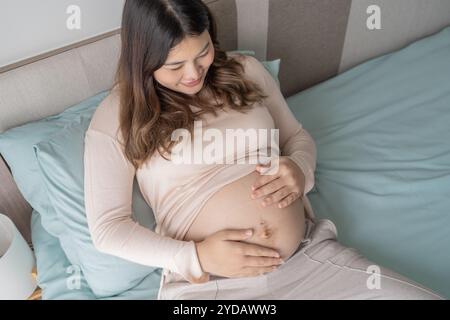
(150, 112)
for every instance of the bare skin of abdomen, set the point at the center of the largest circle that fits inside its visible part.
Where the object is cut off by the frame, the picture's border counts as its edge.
(233, 208)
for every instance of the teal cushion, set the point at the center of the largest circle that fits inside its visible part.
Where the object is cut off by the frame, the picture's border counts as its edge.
(57, 276)
(16, 146)
(382, 131)
(273, 66)
(60, 160)
(60, 279)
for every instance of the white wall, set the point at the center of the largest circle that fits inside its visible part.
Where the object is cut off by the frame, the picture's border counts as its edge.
(31, 27)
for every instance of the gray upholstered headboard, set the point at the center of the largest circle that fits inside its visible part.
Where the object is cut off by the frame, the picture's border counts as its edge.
(315, 39)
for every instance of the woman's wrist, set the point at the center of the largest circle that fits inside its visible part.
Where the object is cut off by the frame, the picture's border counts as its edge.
(200, 255)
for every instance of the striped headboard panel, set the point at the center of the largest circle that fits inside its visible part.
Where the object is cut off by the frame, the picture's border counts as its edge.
(318, 39)
(315, 40)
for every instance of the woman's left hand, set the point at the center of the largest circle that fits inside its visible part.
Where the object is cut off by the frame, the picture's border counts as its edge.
(283, 187)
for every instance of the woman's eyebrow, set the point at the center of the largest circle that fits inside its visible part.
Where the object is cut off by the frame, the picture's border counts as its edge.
(179, 62)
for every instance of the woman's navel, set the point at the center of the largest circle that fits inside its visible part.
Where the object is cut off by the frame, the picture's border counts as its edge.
(265, 232)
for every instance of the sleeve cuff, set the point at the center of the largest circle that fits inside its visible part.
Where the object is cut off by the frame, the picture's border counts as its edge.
(307, 172)
(188, 265)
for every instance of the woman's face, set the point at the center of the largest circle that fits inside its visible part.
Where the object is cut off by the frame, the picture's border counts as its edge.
(187, 62)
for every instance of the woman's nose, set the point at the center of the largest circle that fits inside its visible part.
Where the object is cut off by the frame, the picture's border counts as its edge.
(194, 73)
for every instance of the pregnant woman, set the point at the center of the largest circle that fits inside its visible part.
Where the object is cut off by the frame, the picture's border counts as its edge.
(172, 77)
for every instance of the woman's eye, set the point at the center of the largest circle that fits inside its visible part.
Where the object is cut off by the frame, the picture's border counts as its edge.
(204, 55)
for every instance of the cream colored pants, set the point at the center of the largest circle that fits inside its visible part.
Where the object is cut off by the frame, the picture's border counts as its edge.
(321, 268)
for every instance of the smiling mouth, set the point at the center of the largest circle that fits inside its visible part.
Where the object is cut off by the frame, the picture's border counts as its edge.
(193, 83)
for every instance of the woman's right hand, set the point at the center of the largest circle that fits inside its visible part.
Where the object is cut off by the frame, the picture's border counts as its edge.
(224, 255)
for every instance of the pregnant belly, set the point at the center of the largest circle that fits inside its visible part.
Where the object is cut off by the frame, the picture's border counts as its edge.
(232, 208)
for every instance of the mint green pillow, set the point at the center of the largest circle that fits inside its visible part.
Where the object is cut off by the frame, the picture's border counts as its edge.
(60, 160)
(16, 147)
(272, 66)
(54, 270)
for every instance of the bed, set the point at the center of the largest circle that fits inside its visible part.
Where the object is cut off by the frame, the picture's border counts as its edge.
(376, 102)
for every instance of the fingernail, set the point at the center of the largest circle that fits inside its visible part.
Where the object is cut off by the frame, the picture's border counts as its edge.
(249, 232)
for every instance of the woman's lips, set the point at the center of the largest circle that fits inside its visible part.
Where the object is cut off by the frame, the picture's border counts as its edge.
(193, 84)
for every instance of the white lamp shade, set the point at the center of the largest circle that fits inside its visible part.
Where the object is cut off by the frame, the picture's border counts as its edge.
(16, 263)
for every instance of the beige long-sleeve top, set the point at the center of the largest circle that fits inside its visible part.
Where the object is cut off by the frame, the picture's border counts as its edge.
(176, 192)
